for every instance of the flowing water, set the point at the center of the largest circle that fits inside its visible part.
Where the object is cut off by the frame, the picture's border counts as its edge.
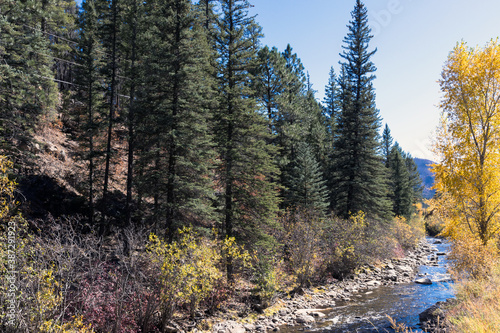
(367, 312)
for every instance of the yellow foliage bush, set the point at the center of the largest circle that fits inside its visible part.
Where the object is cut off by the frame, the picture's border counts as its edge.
(470, 258)
(190, 268)
(408, 233)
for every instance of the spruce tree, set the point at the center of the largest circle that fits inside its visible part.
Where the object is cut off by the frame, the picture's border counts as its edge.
(268, 82)
(402, 193)
(316, 127)
(176, 153)
(306, 187)
(249, 198)
(57, 19)
(111, 19)
(331, 102)
(358, 177)
(387, 141)
(89, 92)
(28, 92)
(291, 125)
(414, 179)
(133, 49)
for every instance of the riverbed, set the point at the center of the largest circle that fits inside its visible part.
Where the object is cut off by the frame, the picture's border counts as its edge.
(367, 310)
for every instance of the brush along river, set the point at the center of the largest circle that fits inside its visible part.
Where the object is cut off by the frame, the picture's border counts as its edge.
(366, 310)
(361, 304)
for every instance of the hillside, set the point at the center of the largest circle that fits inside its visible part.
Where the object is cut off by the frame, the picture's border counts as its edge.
(424, 168)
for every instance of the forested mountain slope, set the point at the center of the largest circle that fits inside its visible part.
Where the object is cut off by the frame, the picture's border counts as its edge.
(424, 169)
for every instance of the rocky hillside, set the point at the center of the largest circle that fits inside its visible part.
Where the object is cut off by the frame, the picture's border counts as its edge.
(424, 168)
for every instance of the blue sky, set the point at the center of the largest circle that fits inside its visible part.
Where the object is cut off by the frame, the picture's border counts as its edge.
(413, 39)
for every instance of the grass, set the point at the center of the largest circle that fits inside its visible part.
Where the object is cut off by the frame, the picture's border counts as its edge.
(478, 309)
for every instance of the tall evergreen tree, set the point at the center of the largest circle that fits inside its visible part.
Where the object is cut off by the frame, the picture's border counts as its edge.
(176, 152)
(306, 187)
(331, 102)
(316, 127)
(249, 198)
(414, 178)
(111, 11)
(387, 142)
(89, 91)
(401, 193)
(358, 178)
(268, 82)
(133, 48)
(291, 125)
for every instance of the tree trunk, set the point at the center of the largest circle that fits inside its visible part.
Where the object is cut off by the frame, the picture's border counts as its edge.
(111, 114)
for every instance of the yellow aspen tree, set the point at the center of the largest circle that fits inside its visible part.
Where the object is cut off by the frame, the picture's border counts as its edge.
(467, 141)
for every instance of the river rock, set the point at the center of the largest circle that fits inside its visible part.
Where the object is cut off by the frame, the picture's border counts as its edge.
(404, 269)
(391, 275)
(249, 327)
(433, 314)
(229, 327)
(304, 319)
(425, 281)
(373, 283)
(318, 314)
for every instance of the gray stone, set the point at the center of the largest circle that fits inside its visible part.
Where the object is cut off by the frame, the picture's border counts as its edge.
(249, 327)
(305, 319)
(425, 281)
(318, 314)
(229, 327)
(373, 283)
(62, 156)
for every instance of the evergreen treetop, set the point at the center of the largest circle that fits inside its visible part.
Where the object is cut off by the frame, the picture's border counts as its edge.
(358, 178)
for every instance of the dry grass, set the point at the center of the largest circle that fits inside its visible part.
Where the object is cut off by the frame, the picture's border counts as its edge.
(478, 309)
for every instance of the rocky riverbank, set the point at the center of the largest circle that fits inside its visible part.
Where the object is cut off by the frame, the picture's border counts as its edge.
(307, 305)
(433, 320)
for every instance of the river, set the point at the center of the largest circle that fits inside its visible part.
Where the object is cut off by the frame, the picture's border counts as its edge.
(404, 302)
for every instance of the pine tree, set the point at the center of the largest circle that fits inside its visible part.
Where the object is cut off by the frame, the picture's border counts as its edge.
(176, 152)
(387, 141)
(58, 24)
(358, 175)
(134, 49)
(306, 187)
(414, 179)
(291, 121)
(89, 91)
(111, 18)
(331, 102)
(314, 126)
(291, 125)
(27, 89)
(402, 193)
(268, 82)
(249, 198)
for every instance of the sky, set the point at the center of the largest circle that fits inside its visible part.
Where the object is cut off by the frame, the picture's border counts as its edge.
(413, 39)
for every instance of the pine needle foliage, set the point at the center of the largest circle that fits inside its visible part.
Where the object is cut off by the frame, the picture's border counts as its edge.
(358, 178)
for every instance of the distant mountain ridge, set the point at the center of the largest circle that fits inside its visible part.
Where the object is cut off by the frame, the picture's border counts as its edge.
(424, 168)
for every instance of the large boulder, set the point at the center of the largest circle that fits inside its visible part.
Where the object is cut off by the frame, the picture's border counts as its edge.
(305, 319)
(432, 314)
(425, 281)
